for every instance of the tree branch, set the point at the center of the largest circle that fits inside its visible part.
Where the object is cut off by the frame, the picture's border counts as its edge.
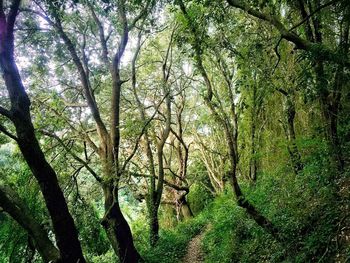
(176, 187)
(7, 133)
(103, 39)
(141, 134)
(5, 112)
(141, 14)
(313, 13)
(14, 206)
(319, 50)
(285, 93)
(84, 79)
(77, 158)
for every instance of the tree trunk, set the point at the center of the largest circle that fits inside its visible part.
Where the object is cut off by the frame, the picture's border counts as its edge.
(252, 161)
(253, 117)
(151, 202)
(329, 110)
(12, 205)
(63, 224)
(117, 228)
(330, 99)
(153, 224)
(185, 208)
(292, 147)
(261, 220)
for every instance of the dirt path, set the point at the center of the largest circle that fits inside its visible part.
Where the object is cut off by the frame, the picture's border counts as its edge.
(194, 251)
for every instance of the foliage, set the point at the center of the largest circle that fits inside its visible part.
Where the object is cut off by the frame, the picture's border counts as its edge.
(199, 197)
(243, 93)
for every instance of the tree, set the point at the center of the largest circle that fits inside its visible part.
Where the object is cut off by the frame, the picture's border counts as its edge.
(129, 127)
(19, 114)
(318, 46)
(109, 136)
(230, 128)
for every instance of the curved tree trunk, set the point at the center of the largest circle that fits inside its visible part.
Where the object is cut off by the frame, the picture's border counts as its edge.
(114, 223)
(15, 207)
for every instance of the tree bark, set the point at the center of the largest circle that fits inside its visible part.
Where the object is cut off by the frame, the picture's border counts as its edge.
(153, 223)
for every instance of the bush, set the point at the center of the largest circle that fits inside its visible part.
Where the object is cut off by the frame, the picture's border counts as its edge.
(233, 237)
(198, 198)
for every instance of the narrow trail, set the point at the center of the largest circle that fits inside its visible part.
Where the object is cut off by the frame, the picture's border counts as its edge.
(194, 251)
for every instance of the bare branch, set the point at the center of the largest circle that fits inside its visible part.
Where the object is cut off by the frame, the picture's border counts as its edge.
(5, 112)
(176, 187)
(180, 139)
(277, 54)
(77, 158)
(141, 134)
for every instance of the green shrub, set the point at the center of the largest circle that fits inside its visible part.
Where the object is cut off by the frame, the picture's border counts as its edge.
(198, 198)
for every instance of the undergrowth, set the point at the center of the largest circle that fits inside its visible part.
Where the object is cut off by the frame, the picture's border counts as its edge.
(172, 244)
